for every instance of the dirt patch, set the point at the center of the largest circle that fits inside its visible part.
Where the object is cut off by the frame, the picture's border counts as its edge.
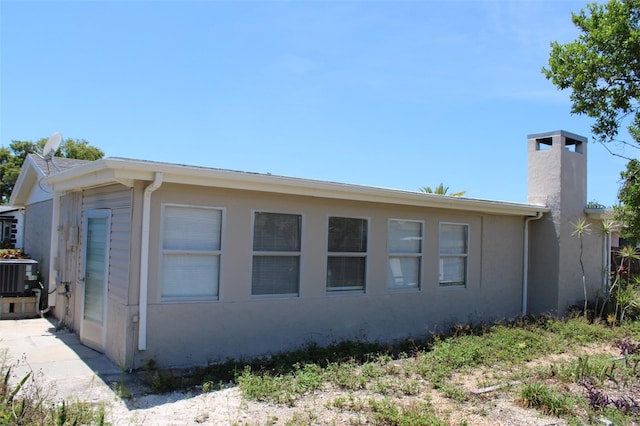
(327, 407)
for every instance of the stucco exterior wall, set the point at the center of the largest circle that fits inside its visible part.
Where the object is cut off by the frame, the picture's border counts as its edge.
(37, 234)
(239, 324)
(557, 170)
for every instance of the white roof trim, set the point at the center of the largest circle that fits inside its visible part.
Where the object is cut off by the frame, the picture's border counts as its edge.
(112, 170)
(600, 214)
(30, 173)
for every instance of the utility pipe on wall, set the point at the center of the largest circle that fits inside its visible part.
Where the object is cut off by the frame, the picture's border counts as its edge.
(53, 252)
(144, 260)
(606, 261)
(525, 261)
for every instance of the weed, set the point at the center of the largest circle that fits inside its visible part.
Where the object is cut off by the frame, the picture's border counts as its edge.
(627, 347)
(546, 399)
(386, 412)
(599, 400)
(25, 403)
(121, 390)
(345, 376)
(454, 392)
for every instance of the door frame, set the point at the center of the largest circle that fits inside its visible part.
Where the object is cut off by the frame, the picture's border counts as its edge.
(94, 214)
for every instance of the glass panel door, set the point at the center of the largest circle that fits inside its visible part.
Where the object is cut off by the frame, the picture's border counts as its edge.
(95, 273)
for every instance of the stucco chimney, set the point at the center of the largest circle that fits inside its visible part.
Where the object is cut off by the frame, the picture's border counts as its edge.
(557, 178)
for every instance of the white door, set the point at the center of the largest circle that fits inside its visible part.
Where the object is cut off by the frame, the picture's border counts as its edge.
(95, 274)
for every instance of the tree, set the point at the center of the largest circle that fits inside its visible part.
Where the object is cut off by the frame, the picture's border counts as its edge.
(11, 158)
(602, 68)
(441, 190)
(628, 211)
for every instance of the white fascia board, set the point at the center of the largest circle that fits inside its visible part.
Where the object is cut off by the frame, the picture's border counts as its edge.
(30, 174)
(113, 170)
(600, 214)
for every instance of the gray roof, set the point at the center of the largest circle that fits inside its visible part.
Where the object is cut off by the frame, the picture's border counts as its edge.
(61, 163)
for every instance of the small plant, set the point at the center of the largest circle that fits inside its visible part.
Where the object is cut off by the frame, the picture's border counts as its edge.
(546, 399)
(386, 412)
(627, 347)
(598, 400)
(581, 229)
(24, 404)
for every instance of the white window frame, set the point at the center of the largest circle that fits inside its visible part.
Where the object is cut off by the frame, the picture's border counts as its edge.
(465, 256)
(419, 255)
(364, 255)
(164, 253)
(266, 253)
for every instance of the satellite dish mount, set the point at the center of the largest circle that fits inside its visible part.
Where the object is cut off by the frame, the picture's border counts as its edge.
(50, 148)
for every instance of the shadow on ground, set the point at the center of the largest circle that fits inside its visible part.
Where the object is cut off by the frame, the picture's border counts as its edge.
(66, 369)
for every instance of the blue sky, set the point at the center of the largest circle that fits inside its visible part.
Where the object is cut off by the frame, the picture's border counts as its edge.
(397, 94)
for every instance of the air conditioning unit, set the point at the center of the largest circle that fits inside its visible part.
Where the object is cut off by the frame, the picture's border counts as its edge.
(18, 277)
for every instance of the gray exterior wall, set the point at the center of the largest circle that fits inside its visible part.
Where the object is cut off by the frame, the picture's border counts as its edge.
(558, 178)
(237, 324)
(73, 206)
(37, 235)
(241, 325)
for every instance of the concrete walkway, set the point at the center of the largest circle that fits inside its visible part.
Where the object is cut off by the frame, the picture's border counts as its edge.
(64, 369)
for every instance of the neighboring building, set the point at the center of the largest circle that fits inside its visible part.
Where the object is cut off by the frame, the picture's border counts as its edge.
(11, 220)
(189, 265)
(34, 200)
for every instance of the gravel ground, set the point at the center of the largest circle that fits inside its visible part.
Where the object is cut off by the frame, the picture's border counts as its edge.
(228, 407)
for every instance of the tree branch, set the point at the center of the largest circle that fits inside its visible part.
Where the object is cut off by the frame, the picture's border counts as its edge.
(615, 154)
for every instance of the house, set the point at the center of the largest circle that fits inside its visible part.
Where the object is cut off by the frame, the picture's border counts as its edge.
(33, 199)
(11, 219)
(189, 265)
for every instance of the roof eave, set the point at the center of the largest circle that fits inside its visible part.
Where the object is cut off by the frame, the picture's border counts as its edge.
(30, 173)
(600, 214)
(124, 171)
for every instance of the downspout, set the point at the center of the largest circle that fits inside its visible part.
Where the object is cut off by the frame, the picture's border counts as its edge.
(606, 261)
(144, 261)
(525, 261)
(53, 253)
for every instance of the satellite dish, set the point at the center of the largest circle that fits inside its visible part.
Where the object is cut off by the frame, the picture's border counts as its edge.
(52, 145)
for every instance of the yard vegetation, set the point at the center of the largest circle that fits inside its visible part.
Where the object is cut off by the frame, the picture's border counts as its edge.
(576, 370)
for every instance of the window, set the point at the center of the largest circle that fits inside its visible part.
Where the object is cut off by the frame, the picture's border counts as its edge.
(347, 254)
(453, 254)
(276, 253)
(191, 247)
(405, 254)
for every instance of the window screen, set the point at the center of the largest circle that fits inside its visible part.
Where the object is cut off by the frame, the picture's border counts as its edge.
(453, 241)
(405, 254)
(191, 248)
(276, 253)
(347, 248)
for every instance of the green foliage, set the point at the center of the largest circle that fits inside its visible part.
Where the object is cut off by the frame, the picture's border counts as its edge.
(578, 331)
(283, 389)
(22, 404)
(593, 368)
(160, 381)
(441, 190)
(593, 204)
(374, 381)
(11, 158)
(628, 210)
(601, 67)
(546, 399)
(622, 299)
(581, 229)
(386, 412)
